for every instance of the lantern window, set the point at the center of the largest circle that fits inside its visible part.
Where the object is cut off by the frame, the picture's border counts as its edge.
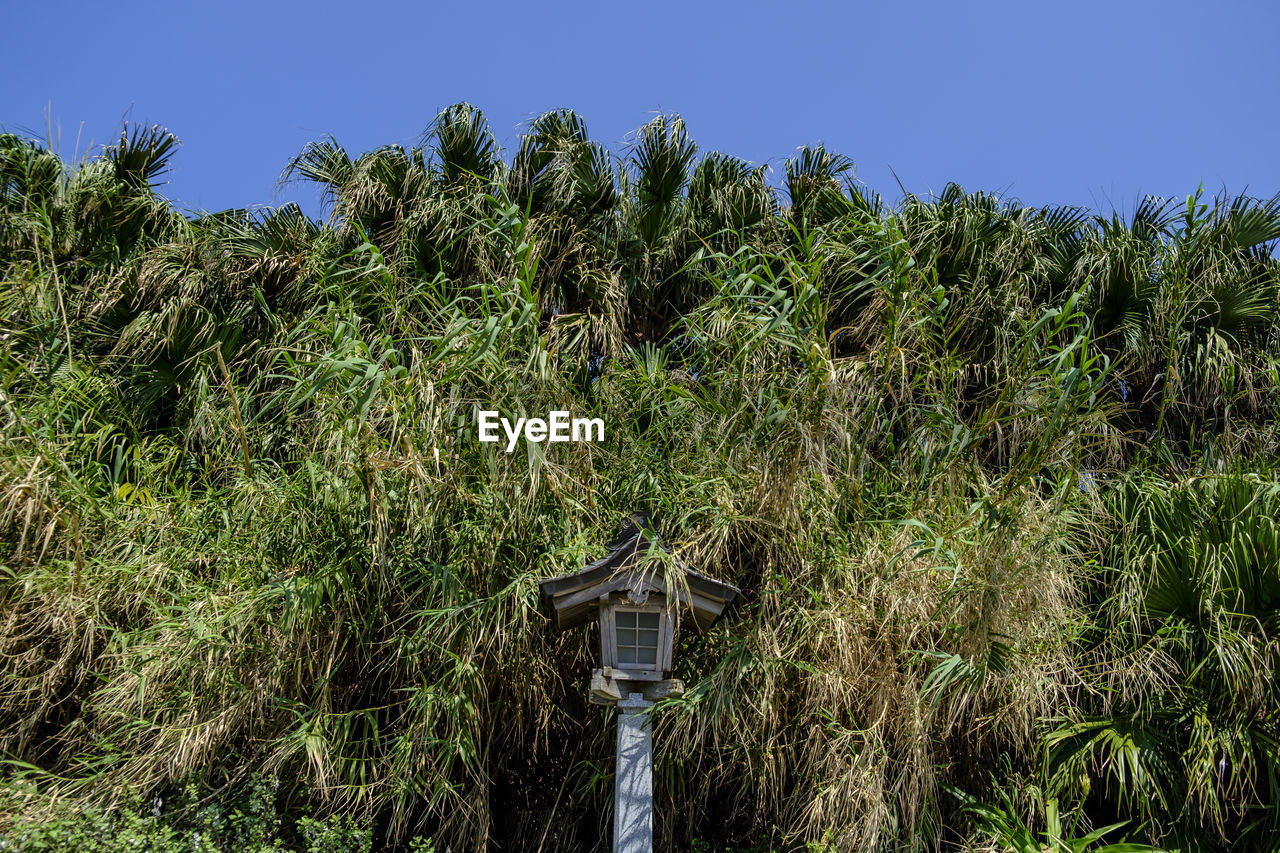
(637, 636)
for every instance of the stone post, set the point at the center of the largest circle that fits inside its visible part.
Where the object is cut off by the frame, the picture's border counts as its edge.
(633, 782)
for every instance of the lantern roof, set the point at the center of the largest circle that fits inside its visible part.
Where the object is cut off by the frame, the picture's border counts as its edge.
(640, 564)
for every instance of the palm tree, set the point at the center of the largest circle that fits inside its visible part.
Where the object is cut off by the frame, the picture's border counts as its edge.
(244, 524)
(1188, 733)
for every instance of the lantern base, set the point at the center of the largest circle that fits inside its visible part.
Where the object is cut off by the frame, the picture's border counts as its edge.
(609, 686)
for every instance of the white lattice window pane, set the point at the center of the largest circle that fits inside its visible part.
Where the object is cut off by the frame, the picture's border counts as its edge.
(637, 637)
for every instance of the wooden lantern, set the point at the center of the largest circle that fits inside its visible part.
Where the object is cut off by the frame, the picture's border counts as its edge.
(639, 593)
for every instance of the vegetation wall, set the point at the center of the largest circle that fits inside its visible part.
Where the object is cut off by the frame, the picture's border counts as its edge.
(998, 483)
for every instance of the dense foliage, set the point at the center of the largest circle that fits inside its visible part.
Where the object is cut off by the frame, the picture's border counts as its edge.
(998, 484)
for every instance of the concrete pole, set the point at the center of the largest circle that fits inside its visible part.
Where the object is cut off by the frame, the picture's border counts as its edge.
(633, 781)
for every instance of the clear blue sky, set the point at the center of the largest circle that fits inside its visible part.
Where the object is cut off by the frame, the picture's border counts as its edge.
(1090, 103)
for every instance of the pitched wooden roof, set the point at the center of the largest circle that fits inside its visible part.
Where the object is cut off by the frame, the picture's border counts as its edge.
(572, 599)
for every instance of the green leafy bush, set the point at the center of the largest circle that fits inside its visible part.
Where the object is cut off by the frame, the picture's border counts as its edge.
(996, 483)
(251, 825)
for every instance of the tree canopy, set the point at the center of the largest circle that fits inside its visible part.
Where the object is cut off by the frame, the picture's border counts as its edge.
(998, 483)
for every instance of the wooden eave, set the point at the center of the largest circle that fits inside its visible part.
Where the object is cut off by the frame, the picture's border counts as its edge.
(570, 600)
